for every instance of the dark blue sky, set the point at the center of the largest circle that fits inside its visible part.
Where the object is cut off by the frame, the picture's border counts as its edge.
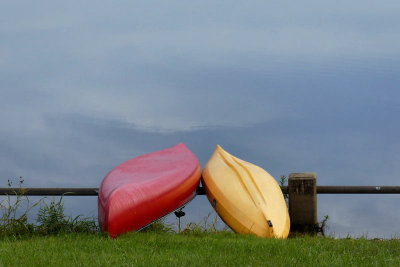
(291, 87)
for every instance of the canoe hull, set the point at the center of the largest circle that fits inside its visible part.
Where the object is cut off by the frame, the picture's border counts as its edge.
(246, 197)
(146, 188)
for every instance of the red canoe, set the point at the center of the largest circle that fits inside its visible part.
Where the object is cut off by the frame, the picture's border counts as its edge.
(146, 188)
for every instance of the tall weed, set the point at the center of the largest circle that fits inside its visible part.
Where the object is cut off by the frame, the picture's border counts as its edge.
(205, 226)
(15, 211)
(52, 220)
(159, 226)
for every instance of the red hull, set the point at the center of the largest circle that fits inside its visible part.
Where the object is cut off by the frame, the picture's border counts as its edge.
(146, 188)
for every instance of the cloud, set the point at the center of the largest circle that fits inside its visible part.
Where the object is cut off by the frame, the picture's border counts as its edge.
(160, 74)
(360, 215)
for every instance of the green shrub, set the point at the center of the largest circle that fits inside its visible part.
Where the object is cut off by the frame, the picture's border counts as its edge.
(159, 226)
(51, 219)
(204, 226)
(14, 217)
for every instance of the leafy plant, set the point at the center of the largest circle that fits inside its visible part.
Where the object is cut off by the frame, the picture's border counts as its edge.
(53, 221)
(322, 226)
(13, 221)
(159, 226)
(51, 216)
(15, 210)
(204, 226)
(283, 182)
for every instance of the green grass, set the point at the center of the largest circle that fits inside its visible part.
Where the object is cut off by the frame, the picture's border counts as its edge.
(221, 249)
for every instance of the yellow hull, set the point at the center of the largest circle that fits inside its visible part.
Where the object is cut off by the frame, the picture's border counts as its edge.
(246, 197)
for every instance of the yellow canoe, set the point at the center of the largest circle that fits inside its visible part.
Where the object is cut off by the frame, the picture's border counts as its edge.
(246, 197)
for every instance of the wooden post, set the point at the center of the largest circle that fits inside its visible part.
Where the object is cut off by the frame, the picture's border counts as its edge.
(303, 202)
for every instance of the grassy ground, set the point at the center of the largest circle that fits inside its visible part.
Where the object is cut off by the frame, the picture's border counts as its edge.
(222, 249)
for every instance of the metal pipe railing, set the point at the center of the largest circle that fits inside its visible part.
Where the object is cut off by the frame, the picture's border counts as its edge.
(50, 191)
(200, 190)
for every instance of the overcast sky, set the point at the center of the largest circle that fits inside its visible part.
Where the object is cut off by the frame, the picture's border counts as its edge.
(291, 87)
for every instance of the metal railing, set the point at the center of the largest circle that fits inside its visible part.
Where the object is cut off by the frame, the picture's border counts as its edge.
(200, 190)
(50, 191)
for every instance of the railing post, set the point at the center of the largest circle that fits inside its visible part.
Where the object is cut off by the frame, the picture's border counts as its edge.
(302, 189)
